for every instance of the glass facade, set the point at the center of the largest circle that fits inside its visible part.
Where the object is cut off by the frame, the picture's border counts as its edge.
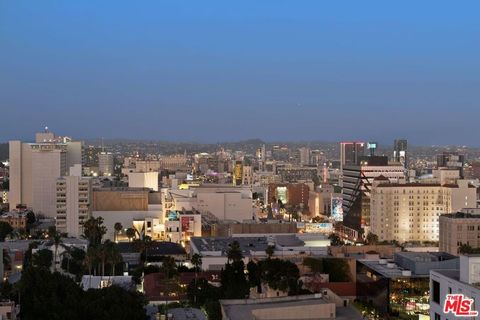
(404, 297)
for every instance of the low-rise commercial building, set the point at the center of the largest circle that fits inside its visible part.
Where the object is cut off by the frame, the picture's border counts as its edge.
(400, 287)
(223, 202)
(17, 220)
(326, 305)
(253, 246)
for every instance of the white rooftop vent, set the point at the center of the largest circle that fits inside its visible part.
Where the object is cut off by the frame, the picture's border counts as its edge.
(382, 261)
(390, 265)
(406, 273)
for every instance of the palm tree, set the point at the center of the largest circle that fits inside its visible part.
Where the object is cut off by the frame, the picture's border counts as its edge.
(169, 266)
(270, 251)
(7, 261)
(94, 230)
(118, 227)
(147, 243)
(114, 255)
(68, 255)
(196, 260)
(104, 254)
(90, 259)
(57, 241)
(235, 252)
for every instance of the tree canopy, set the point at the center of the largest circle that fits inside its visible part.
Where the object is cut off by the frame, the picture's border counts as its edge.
(94, 230)
(5, 230)
(46, 295)
(337, 268)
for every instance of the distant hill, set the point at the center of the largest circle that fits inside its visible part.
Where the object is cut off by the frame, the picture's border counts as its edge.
(3, 151)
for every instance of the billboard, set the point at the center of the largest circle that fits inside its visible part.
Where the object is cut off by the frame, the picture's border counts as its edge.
(186, 223)
(172, 216)
(337, 208)
(318, 228)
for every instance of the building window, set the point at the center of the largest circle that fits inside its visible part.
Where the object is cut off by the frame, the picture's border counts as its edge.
(436, 292)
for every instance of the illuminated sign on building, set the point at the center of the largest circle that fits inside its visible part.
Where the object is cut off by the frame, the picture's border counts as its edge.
(337, 208)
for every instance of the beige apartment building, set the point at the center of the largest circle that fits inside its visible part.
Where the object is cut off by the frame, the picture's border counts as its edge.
(457, 229)
(411, 211)
(74, 196)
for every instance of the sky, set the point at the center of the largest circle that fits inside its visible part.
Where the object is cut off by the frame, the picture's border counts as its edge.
(213, 71)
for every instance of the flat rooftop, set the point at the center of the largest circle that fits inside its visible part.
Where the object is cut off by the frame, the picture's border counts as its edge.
(453, 274)
(460, 215)
(242, 309)
(426, 256)
(187, 313)
(418, 263)
(392, 273)
(222, 244)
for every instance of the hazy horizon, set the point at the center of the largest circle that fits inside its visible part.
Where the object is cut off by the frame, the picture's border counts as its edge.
(381, 145)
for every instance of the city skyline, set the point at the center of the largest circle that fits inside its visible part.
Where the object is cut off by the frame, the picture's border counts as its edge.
(222, 72)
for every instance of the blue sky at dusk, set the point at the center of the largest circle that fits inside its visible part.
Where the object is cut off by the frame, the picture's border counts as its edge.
(222, 70)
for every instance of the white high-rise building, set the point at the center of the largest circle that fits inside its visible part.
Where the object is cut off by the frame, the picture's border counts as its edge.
(35, 168)
(73, 202)
(105, 163)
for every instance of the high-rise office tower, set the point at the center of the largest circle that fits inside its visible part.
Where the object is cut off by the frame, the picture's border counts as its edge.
(357, 184)
(105, 163)
(400, 152)
(304, 156)
(238, 173)
(35, 168)
(350, 153)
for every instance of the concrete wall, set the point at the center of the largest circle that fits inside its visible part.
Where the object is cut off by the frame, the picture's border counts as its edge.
(386, 251)
(463, 196)
(143, 180)
(120, 200)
